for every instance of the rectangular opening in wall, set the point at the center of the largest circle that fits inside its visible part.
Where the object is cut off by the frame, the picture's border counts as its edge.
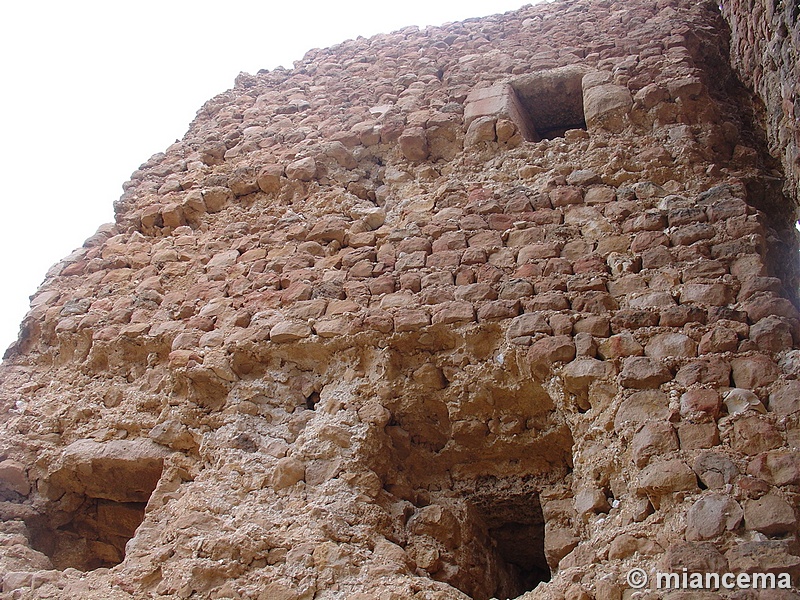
(98, 495)
(552, 101)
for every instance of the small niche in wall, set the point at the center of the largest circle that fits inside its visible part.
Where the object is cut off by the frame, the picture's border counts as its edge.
(552, 101)
(97, 500)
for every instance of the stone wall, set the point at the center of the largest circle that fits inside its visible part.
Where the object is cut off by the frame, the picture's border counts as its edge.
(765, 51)
(400, 322)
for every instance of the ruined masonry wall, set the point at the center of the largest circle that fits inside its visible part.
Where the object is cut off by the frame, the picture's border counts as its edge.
(360, 335)
(766, 53)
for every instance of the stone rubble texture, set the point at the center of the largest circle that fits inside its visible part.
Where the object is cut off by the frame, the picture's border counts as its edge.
(362, 334)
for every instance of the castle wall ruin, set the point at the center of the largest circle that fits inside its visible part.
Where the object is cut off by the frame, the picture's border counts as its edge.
(498, 309)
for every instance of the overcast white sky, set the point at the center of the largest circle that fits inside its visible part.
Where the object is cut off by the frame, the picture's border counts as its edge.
(92, 89)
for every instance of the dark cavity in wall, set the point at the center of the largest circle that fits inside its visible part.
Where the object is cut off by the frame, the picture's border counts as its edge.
(515, 525)
(552, 102)
(97, 501)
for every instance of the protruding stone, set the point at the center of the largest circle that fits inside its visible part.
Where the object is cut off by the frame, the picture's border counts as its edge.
(289, 331)
(671, 345)
(607, 106)
(13, 478)
(642, 373)
(641, 407)
(771, 515)
(663, 478)
(288, 471)
(304, 169)
(711, 515)
(414, 144)
(778, 467)
(755, 371)
(715, 470)
(654, 439)
(580, 374)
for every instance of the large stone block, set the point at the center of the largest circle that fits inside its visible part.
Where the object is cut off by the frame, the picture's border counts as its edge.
(117, 470)
(606, 106)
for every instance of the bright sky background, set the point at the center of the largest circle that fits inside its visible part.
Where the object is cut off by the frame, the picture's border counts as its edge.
(90, 90)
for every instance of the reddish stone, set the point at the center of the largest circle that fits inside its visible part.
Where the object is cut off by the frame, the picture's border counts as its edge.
(475, 292)
(755, 371)
(678, 316)
(712, 370)
(590, 264)
(437, 295)
(546, 301)
(654, 439)
(453, 312)
(412, 260)
(269, 178)
(777, 467)
(549, 350)
(641, 372)
(752, 435)
(525, 237)
(719, 340)
(620, 345)
(714, 294)
(528, 324)
(328, 229)
(410, 320)
(647, 240)
(515, 289)
(474, 256)
(695, 436)
(705, 401)
(771, 515)
(772, 334)
(414, 144)
(499, 309)
(761, 306)
(488, 240)
(753, 285)
(473, 222)
(376, 320)
(450, 258)
(500, 222)
(450, 240)
(304, 169)
(595, 325)
(381, 285)
(670, 345)
(566, 195)
(656, 258)
(594, 302)
(414, 244)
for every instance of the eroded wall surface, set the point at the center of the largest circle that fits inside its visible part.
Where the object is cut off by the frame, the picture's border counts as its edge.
(766, 54)
(396, 323)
